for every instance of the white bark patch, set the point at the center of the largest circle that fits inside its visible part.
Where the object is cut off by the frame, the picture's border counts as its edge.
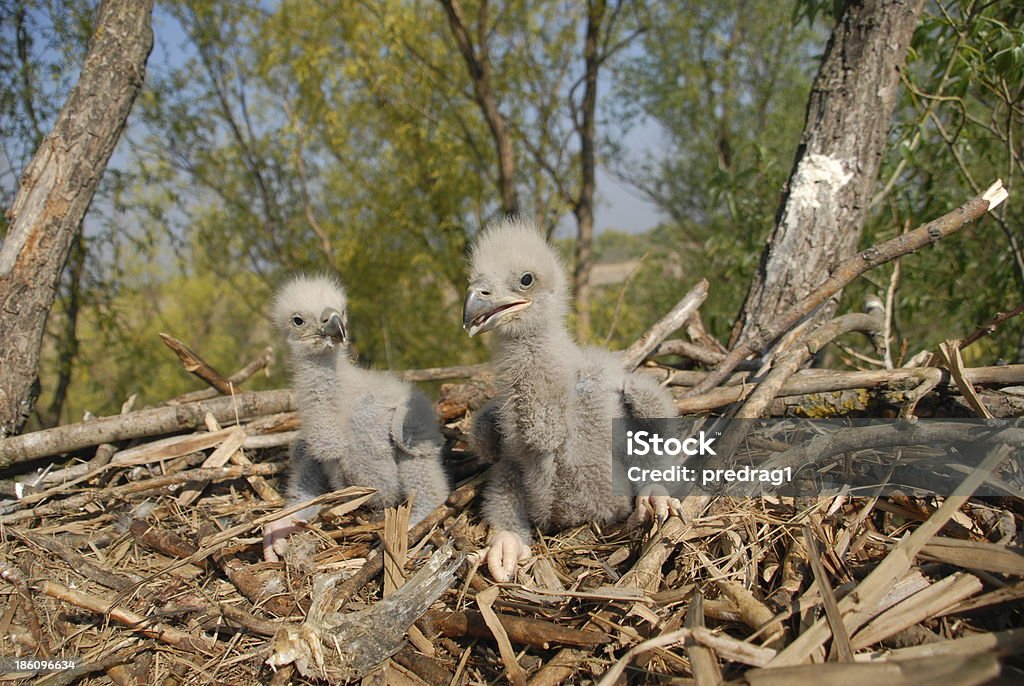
(817, 177)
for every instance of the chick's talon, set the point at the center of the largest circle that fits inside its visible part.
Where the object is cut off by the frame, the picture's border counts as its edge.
(506, 551)
(275, 537)
(659, 507)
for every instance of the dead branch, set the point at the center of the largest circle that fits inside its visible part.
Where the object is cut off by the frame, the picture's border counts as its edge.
(976, 669)
(121, 615)
(842, 648)
(484, 600)
(1001, 643)
(891, 435)
(698, 334)
(706, 670)
(924, 604)
(153, 422)
(850, 269)
(237, 379)
(989, 557)
(115, 581)
(663, 328)
(688, 350)
(522, 630)
(809, 381)
(197, 366)
(998, 320)
(344, 647)
(793, 359)
(949, 354)
(113, 493)
(443, 373)
(161, 540)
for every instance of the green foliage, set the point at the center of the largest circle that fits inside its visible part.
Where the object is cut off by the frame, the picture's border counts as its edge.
(954, 135)
(729, 89)
(727, 83)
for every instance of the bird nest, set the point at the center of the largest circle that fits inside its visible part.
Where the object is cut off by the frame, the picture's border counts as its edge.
(135, 557)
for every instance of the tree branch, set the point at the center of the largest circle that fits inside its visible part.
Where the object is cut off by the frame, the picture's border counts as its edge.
(853, 267)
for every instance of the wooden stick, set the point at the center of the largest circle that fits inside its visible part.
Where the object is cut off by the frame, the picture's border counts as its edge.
(104, 495)
(374, 565)
(236, 379)
(753, 612)
(849, 269)
(395, 540)
(259, 485)
(956, 669)
(698, 334)
(675, 319)
(809, 381)
(153, 422)
(949, 354)
(923, 605)
(845, 440)
(895, 564)
(688, 350)
(997, 321)
(197, 365)
(76, 561)
(732, 649)
(163, 541)
(443, 373)
(538, 633)
(706, 670)
(121, 615)
(791, 360)
(1001, 643)
(841, 646)
(513, 669)
(431, 671)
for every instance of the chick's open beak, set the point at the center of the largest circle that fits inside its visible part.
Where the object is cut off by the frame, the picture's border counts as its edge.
(482, 311)
(332, 323)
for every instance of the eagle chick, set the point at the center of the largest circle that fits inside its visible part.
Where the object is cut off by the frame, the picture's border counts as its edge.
(359, 427)
(550, 427)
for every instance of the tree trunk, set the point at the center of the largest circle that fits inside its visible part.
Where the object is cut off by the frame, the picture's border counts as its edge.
(836, 168)
(56, 190)
(584, 209)
(67, 341)
(478, 62)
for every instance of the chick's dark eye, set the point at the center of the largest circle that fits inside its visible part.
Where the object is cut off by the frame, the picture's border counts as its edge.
(297, 320)
(526, 280)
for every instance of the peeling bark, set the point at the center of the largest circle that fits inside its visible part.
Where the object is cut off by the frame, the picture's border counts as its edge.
(836, 168)
(55, 193)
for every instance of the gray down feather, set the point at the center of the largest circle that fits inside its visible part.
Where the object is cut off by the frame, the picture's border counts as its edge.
(359, 427)
(550, 427)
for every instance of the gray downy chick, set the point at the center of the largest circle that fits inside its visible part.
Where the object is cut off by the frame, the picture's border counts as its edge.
(359, 427)
(549, 430)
